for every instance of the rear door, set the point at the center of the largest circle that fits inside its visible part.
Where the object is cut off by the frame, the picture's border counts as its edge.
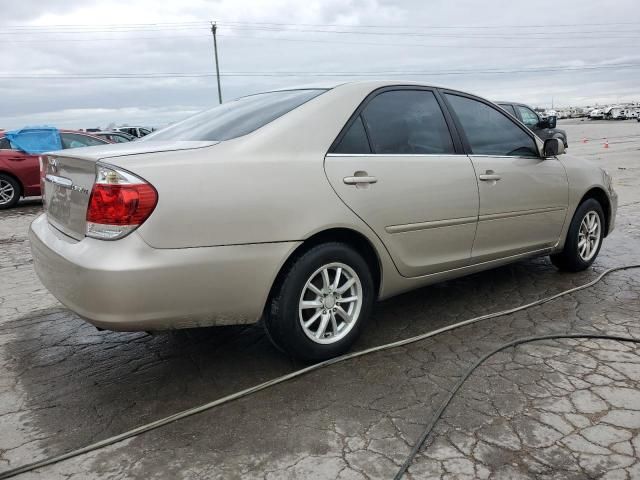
(523, 197)
(399, 166)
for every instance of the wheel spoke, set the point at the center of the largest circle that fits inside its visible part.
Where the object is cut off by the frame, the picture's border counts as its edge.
(326, 283)
(311, 321)
(334, 323)
(314, 289)
(336, 281)
(340, 311)
(347, 300)
(323, 325)
(311, 304)
(347, 285)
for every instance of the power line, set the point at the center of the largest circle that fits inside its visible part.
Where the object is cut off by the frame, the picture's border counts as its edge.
(321, 41)
(89, 76)
(222, 22)
(567, 35)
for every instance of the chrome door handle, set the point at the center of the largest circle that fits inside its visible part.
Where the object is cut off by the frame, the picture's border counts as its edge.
(359, 180)
(489, 176)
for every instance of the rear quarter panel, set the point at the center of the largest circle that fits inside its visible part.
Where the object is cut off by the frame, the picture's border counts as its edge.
(267, 186)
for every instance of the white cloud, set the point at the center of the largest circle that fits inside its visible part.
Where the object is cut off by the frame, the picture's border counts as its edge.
(189, 49)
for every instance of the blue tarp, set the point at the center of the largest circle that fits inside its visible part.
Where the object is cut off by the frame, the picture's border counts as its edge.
(35, 140)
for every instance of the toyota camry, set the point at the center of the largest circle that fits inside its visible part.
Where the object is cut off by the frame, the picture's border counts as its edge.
(302, 207)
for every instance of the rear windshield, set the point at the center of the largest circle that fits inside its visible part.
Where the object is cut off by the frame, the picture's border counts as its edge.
(236, 118)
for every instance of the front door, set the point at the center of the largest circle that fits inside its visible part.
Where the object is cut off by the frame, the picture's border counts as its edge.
(523, 197)
(396, 167)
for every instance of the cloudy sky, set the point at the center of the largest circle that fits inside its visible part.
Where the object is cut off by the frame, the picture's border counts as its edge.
(87, 63)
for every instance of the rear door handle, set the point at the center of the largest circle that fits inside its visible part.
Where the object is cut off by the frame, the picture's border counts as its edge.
(489, 176)
(359, 180)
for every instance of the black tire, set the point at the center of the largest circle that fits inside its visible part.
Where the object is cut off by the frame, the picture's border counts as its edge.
(569, 259)
(6, 180)
(282, 320)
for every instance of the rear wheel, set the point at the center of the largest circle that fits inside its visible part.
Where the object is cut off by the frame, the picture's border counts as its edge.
(321, 303)
(9, 191)
(584, 238)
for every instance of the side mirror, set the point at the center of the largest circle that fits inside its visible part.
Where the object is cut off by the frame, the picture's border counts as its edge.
(549, 122)
(552, 147)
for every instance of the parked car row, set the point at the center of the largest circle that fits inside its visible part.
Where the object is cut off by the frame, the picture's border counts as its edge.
(543, 127)
(20, 171)
(302, 207)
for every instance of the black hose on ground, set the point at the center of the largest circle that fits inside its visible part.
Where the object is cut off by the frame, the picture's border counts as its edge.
(431, 425)
(289, 376)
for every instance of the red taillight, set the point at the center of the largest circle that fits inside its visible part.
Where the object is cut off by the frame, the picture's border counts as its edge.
(118, 204)
(121, 204)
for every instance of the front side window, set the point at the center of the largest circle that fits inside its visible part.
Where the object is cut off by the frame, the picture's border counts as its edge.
(74, 140)
(490, 132)
(529, 117)
(236, 118)
(407, 122)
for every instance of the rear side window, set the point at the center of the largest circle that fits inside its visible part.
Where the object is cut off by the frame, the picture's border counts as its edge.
(354, 140)
(4, 144)
(509, 109)
(490, 132)
(236, 118)
(74, 140)
(407, 122)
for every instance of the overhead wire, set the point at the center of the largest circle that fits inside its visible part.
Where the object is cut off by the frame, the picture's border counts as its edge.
(382, 73)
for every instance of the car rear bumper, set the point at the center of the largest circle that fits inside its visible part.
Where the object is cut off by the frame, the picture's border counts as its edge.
(128, 285)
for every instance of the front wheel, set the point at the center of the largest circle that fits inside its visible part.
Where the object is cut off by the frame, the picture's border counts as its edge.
(321, 302)
(584, 238)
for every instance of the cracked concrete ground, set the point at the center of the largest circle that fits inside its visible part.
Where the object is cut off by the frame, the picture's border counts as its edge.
(552, 409)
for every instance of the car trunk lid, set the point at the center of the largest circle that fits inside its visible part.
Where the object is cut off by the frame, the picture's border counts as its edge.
(68, 178)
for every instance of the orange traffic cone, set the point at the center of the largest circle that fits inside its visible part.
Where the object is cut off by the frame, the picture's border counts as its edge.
(606, 143)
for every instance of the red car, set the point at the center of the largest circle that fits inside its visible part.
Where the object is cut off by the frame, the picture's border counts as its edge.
(20, 171)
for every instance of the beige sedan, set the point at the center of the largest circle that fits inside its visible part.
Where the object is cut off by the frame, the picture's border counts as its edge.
(303, 207)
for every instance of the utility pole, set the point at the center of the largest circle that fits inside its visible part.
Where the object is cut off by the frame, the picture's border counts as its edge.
(215, 52)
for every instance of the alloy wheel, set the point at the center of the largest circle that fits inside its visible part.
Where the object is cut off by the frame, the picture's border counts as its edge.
(330, 303)
(589, 235)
